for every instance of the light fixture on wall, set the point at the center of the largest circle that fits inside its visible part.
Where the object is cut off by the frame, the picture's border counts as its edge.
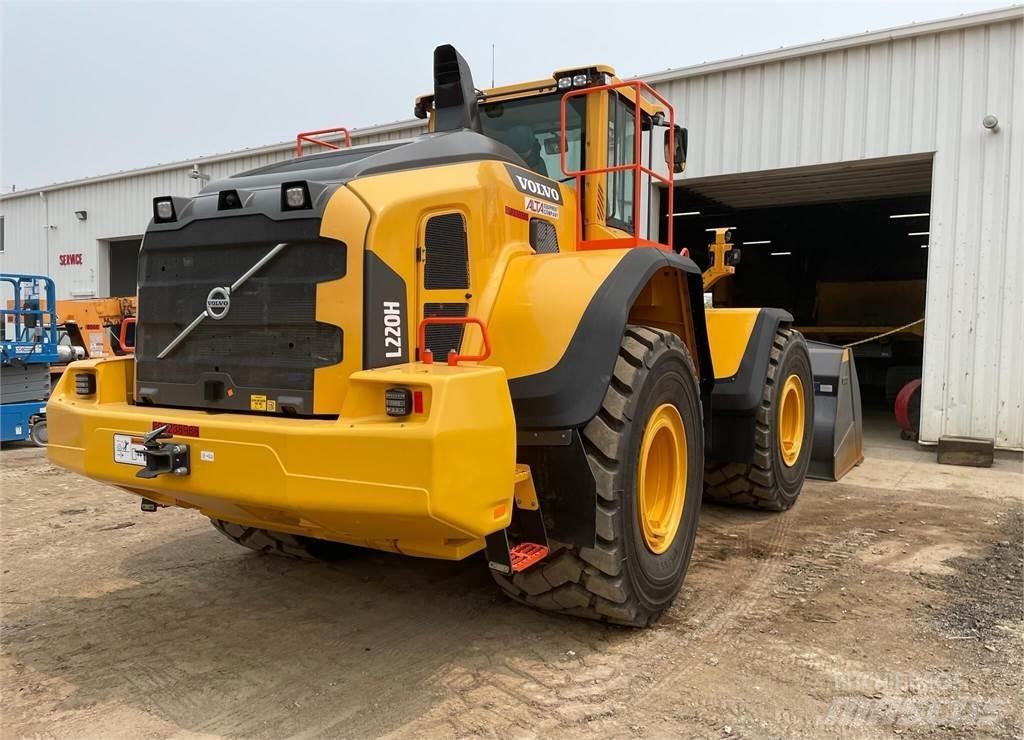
(81, 215)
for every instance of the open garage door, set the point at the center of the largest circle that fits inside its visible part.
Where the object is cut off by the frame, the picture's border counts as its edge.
(124, 267)
(842, 246)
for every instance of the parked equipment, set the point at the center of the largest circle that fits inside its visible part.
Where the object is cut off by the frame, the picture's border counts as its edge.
(95, 323)
(480, 339)
(28, 348)
(838, 423)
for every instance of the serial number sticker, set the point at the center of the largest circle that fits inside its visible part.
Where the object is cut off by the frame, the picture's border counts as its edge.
(259, 402)
(206, 455)
(127, 451)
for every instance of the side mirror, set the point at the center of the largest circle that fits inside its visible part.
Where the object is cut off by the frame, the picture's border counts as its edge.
(679, 156)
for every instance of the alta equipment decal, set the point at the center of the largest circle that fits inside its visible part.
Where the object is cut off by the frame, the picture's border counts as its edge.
(541, 208)
(392, 329)
(530, 183)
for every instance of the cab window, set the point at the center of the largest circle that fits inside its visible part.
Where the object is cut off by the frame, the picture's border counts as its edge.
(621, 137)
(531, 127)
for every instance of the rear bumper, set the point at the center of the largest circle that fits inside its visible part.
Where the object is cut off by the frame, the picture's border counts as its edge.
(431, 484)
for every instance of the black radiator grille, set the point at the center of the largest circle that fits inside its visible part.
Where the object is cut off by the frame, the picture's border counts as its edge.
(268, 342)
(442, 338)
(447, 253)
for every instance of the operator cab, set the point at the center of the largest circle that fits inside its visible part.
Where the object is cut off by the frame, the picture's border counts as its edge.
(600, 145)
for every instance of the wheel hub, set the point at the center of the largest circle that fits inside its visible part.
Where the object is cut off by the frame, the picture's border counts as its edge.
(791, 420)
(661, 479)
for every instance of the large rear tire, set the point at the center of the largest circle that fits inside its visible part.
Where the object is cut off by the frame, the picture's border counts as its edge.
(783, 433)
(269, 542)
(646, 450)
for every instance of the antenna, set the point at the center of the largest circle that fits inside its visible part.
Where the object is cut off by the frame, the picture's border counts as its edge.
(492, 65)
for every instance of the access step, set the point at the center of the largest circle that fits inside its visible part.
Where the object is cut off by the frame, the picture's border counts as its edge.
(526, 554)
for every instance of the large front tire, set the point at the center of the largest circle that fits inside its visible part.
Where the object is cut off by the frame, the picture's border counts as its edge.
(783, 433)
(646, 450)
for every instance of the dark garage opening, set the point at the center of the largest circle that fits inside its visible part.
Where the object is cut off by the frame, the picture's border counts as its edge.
(124, 267)
(843, 247)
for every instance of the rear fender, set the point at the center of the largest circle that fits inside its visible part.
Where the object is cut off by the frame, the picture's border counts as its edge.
(556, 329)
(559, 320)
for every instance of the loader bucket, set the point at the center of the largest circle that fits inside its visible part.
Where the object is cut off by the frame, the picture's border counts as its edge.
(838, 424)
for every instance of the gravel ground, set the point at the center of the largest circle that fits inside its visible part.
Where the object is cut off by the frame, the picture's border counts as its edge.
(889, 604)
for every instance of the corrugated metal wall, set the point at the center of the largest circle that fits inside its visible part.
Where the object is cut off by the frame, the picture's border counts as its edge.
(925, 93)
(119, 206)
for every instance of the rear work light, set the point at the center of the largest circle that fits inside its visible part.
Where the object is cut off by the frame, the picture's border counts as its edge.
(295, 196)
(85, 384)
(163, 210)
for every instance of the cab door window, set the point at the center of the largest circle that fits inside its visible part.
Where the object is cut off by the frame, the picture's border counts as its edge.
(621, 138)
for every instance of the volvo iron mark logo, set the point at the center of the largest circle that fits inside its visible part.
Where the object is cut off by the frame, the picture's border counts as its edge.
(218, 300)
(218, 303)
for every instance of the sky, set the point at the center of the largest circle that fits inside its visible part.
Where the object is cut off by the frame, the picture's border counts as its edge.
(90, 88)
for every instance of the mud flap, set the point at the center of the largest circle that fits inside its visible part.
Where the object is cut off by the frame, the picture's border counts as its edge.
(838, 424)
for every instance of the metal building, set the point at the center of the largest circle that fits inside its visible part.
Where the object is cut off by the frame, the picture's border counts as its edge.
(836, 138)
(85, 234)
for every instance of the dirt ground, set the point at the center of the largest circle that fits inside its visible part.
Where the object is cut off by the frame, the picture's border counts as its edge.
(890, 604)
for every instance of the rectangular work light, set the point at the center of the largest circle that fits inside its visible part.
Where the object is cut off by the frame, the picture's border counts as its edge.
(163, 210)
(295, 196)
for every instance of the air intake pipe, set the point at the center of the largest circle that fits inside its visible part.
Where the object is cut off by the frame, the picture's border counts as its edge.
(455, 104)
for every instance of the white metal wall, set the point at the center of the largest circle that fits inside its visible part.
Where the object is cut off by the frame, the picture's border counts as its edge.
(904, 95)
(119, 206)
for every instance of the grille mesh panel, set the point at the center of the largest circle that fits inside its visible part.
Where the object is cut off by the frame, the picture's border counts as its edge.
(270, 337)
(447, 253)
(446, 337)
(543, 237)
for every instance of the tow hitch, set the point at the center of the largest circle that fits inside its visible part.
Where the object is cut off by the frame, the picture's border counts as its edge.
(163, 458)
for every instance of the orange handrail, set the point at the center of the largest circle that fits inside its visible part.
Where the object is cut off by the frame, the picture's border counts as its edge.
(639, 86)
(427, 357)
(310, 137)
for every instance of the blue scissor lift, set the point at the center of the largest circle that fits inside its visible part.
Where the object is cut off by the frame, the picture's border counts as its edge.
(28, 347)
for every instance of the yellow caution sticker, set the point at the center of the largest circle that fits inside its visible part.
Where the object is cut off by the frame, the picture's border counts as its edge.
(258, 403)
(271, 404)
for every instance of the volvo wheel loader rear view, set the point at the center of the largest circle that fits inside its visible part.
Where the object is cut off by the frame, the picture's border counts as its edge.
(477, 340)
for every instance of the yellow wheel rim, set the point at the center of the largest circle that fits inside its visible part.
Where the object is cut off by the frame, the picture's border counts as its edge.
(791, 420)
(661, 483)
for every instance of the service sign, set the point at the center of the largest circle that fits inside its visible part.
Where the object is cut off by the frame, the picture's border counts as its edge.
(67, 260)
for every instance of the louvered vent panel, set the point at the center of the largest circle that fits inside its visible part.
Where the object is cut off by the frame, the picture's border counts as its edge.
(443, 338)
(543, 237)
(447, 253)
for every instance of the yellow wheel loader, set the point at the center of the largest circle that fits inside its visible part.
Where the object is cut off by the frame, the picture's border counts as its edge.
(477, 340)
